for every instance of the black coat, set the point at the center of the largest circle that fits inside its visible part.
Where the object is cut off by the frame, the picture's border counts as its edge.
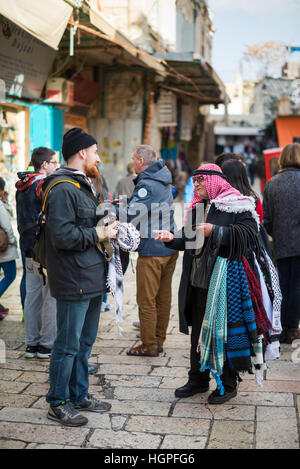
(76, 269)
(214, 217)
(282, 212)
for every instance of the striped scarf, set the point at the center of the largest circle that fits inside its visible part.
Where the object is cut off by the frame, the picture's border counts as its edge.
(213, 333)
(262, 321)
(241, 326)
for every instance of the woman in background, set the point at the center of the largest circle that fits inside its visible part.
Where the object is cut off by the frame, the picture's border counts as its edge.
(282, 221)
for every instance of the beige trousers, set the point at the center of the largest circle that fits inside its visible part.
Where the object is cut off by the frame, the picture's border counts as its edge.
(154, 279)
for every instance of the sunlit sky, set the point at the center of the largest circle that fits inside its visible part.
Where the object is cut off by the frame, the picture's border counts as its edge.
(246, 22)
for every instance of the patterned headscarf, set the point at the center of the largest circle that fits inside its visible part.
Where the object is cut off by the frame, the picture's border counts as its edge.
(225, 197)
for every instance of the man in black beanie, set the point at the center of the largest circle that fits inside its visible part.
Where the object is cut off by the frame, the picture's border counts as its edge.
(76, 268)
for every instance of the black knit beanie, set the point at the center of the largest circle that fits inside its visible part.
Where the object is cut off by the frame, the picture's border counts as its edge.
(74, 140)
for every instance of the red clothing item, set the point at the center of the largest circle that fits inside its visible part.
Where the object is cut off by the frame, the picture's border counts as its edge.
(259, 209)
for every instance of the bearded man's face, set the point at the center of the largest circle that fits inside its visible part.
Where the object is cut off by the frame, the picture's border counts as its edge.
(91, 162)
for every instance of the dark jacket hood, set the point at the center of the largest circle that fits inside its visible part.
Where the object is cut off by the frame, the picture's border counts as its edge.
(27, 178)
(157, 171)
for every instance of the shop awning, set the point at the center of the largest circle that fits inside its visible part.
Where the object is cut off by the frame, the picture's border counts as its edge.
(236, 130)
(45, 20)
(193, 78)
(288, 128)
(118, 38)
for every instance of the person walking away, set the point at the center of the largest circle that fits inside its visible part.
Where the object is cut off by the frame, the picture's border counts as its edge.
(156, 263)
(39, 306)
(9, 253)
(281, 203)
(76, 267)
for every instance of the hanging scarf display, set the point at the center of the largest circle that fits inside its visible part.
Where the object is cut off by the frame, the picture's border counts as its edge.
(213, 334)
(128, 240)
(273, 348)
(262, 322)
(277, 299)
(241, 325)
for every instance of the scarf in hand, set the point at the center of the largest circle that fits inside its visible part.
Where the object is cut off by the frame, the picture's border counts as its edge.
(213, 332)
(241, 326)
(225, 197)
(128, 240)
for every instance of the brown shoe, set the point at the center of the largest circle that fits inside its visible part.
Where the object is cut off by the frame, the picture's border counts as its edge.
(292, 334)
(141, 351)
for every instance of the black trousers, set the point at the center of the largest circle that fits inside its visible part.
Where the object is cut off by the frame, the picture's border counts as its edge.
(289, 278)
(229, 376)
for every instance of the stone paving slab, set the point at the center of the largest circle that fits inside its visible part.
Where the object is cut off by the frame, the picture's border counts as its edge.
(224, 412)
(283, 370)
(182, 442)
(123, 439)
(144, 394)
(276, 428)
(231, 435)
(31, 433)
(133, 381)
(168, 425)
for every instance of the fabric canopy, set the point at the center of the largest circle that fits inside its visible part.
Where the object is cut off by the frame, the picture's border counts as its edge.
(45, 20)
(287, 128)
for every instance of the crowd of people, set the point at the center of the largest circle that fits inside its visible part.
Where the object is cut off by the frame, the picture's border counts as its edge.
(239, 294)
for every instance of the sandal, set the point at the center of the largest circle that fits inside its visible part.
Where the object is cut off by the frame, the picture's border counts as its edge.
(140, 351)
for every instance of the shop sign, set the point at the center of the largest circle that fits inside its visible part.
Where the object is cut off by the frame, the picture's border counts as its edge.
(24, 61)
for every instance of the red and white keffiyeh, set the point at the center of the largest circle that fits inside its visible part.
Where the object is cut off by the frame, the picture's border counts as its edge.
(225, 197)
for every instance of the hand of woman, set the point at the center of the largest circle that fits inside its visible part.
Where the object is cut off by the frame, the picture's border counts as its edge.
(163, 235)
(206, 228)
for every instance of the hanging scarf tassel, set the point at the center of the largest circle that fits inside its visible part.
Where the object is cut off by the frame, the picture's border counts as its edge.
(217, 377)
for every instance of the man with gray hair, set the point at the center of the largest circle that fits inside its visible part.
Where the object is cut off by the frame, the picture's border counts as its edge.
(150, 208)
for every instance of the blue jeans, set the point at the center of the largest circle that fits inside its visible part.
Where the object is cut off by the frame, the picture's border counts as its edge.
(10, 272)
(77, 327)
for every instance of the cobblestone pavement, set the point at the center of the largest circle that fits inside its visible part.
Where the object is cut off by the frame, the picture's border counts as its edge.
(145, 412)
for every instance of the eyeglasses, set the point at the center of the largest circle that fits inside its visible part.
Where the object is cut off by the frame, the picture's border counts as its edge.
(198, 179)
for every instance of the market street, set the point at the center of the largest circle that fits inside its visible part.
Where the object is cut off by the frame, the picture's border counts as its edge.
(145, 412)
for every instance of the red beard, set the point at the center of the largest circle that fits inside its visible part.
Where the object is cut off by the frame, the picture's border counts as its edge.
(92, 172)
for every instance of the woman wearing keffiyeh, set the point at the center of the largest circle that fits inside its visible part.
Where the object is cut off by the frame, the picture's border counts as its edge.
(226, 326)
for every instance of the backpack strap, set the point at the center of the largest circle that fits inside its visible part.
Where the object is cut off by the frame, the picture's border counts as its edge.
(54, 184)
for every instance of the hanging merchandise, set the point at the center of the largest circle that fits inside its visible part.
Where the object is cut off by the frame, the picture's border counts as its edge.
(186, 122)
(167, 109)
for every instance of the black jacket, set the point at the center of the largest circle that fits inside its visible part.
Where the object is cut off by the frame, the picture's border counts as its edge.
(215, 217)
(29, 205)
(76, 268)
(282, 212)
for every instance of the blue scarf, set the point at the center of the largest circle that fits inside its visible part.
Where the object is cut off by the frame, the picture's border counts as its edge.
(213, 333)
(241, 325)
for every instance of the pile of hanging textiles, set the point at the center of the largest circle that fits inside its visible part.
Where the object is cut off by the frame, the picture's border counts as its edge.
(242, 317)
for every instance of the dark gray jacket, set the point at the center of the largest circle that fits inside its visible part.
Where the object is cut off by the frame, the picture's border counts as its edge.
(150, 208)
(281, 205)
(76, 268)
